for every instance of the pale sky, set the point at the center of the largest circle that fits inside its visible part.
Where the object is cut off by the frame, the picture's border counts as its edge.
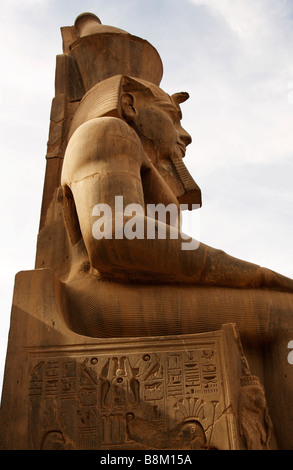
(234, 58)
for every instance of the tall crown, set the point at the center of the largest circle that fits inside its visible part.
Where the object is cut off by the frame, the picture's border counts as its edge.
(102, 51)
(250, 380)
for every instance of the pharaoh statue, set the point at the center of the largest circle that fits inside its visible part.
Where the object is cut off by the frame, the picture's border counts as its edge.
(116, 142)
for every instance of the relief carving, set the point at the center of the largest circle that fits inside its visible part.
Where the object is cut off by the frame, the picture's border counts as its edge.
(255, 423)
(165, 397)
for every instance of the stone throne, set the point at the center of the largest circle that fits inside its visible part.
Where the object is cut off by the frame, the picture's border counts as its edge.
(122, 357)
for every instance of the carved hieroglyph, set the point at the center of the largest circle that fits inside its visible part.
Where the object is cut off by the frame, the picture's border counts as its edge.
(179, 393)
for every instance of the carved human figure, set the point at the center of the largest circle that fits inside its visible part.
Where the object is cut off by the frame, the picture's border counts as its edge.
(131, 156)
(255, 422)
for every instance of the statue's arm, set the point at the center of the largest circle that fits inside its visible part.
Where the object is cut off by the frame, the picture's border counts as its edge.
(104, 159)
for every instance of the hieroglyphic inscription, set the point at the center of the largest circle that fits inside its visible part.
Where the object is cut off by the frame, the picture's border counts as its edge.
(89, 396)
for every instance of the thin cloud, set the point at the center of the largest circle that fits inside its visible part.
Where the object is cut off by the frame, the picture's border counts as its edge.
(242, 99)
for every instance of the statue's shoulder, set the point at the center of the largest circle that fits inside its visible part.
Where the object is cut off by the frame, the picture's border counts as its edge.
(97, 140)
(104, 127)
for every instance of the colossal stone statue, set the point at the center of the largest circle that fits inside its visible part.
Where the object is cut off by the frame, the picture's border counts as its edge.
(115, 159)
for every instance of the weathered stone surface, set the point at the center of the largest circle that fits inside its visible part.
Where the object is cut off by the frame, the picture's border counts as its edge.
(68, 391)
(125, 341)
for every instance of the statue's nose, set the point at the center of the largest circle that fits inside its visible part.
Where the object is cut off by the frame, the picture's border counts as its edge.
(185, 137)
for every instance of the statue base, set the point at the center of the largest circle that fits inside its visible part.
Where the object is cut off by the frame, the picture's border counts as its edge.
(63, 390)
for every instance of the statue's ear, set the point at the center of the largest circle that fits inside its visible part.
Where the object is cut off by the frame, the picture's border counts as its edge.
(127, 107)
(179, 98)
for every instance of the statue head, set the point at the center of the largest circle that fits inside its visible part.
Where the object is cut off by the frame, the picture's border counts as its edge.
(252, 394)
(155, 116)
(151, 112)
(192, 428)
